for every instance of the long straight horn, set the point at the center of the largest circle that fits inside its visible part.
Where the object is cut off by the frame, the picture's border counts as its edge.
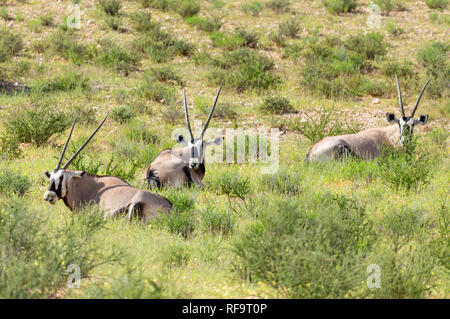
(186, 113)
(400, 100)
(85, 143)
(65, 145)
(418, 99)
(212, 110)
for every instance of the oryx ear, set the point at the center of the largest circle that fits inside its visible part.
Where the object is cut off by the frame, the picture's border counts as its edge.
(422, 119)
(391, 118)
(180, 139)
(47, 174)
(216, 141)
(79, 174)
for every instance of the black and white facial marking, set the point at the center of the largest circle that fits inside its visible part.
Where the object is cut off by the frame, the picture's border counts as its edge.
(406, 124)
(58, 184)
(196, 149)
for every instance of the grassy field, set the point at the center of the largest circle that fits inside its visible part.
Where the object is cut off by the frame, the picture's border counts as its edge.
(309, 68)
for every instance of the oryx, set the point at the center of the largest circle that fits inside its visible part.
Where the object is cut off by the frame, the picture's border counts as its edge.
(367, 144)
(113, 195)
(185, 165)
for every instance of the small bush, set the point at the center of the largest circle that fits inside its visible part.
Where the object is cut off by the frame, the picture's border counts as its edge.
(35, 124)
(36, 256)
(244, 69)
(205, 23)
(406, 168)
(437, 4)
(143, 21)
(116, 57)
(113, 23)
(283, 181)
(433, 56)
(217, 221)
(403, 69)
(176, 254)
(340, 6)
(369, 45)
(65, 44)
(289, 28)
(311, 248)
(325, 124)
(10, 44)
(278, 5)
(177, 222)
(393, 29)
(110, 7)
(232, 186)
(47, 20)
(156, 91)
(156, 4)
(68, 81)
(166, 74)
(276, 105)
(4, 14)
(254, 8)
(185, 8)
(13, 183)
(122, 114)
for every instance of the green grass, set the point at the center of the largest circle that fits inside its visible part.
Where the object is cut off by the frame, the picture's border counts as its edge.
(309, 230)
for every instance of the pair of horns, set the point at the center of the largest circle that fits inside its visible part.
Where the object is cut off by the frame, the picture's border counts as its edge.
(209, 116)
(400, 101)
(81, 147)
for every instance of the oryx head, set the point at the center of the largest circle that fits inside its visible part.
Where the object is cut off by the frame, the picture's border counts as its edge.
(197, 146)
(60, 177)
(406, 123)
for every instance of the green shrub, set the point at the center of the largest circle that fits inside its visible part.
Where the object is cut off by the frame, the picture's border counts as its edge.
(35, 256)
(232, 186)
(13, 183)
(156, 91)
(122, 114)
(403, 69)
(326, 123)
(278, 5)
(156, 4)
(185, 8)
(244, 69)
(204, 23)
(4, 14)
(166, 74)
(177, 222)
(276, 105)
(113, 23)
(437, 4)
(110, 7)
(65, 44)
(393, 29)
(283, 181)
(143, 21)
(9, 146)
(171, 113)
(369, 45)
(47, 19)
(176, 254)
(35, 124)
(340, 6)
(160, 45)
(10, 44)
(254, 8)
(116, 57)
(289, 28)
(406, 168)
(68, 81)
(217, 221)
(308, 248)
(433, 56)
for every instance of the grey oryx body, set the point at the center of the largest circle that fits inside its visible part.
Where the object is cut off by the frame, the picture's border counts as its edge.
(185, 165)
(367, 143)
(78, 189)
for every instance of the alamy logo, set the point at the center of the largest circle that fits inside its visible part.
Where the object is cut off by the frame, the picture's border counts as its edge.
(74, 278)
(250, 145)
(374, 279)
(74, 19)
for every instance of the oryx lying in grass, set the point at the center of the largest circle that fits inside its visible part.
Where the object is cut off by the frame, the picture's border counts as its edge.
(367, 144)
(186, 165)
(112, 194)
